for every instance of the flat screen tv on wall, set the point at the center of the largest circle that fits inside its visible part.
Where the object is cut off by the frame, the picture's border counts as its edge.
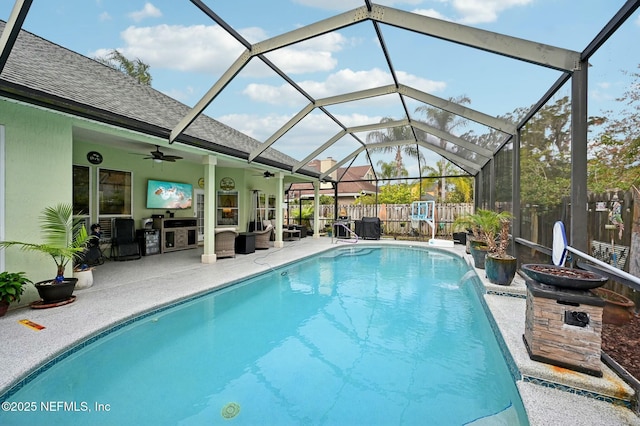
(169, 195)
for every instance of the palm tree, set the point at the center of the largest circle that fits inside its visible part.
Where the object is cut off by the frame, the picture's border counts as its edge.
(464, 189)
(485, 226)
(387, 171)
(442, 119)
(136, 68)
(442, 169)
(397, 133)
(445, 121)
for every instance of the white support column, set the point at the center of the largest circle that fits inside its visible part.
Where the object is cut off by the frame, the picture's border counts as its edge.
(316, 209)
(209, 165)
(278, 243)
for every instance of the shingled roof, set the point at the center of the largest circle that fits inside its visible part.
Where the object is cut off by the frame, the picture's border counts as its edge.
(43, 73)
(353, 183)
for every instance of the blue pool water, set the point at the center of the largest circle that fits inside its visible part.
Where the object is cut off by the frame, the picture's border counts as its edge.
(358, 335)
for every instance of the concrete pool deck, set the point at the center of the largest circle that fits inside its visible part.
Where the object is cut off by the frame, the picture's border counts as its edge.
(122, 290)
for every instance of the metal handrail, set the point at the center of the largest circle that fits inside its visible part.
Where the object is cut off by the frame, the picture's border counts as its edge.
(334, 233)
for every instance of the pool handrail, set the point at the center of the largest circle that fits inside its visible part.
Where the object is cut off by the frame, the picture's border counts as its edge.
(335, 233)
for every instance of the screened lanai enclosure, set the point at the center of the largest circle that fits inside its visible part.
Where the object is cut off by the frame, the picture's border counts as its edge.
(425, 93)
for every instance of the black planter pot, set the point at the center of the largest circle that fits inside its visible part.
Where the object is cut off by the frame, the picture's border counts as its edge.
(51, 291)
(478, 252)
(500, 271)
(4, 307)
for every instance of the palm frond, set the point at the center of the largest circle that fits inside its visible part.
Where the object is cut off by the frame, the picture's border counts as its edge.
(64, 238)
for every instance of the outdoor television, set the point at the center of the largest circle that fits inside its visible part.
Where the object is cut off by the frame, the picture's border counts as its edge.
(169, 195)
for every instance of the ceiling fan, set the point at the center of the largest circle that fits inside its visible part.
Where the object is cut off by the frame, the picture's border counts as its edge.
(158, 156)
(267, 174)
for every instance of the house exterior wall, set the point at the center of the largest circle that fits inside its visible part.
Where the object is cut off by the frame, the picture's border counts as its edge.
(40, 151)
(38, 173)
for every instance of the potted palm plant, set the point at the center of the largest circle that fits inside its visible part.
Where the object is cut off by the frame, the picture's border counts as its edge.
(65, 239)
(500, 267)
(484, 225)
(11, 288)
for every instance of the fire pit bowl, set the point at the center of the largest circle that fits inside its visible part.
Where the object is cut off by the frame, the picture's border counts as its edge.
(560, 276)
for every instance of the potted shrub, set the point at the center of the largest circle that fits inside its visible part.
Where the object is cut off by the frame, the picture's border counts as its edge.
(11, 288)
(65, 239)
(500, 267)
(484, 225)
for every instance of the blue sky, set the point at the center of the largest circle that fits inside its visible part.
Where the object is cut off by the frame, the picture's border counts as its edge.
(188, 52)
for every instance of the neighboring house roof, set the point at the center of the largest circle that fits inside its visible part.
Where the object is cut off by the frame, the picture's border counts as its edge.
(351, 183)
(43, 73)
(351, 180)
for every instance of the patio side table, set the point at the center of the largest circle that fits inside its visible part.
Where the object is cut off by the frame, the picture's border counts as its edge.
(245, 243)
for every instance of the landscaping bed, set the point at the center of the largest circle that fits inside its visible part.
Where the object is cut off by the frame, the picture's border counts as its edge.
(622, 343)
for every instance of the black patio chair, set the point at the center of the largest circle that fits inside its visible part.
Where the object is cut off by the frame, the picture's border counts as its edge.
(124, 243)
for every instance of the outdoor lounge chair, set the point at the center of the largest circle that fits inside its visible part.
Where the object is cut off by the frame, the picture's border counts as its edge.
(263, 238)
(124, 244)
(225, 242)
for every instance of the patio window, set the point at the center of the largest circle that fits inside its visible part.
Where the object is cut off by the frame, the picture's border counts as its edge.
(114, 198)
(227, 208)
(81, 191)
(114, 192)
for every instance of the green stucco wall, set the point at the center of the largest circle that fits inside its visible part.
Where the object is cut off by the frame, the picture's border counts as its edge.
(38, 174)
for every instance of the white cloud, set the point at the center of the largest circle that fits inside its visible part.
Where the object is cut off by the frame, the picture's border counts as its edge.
(195, 48)
(259, 127)
(357, 119)
(350, 4)
(469, 11)
(210, 49)
(483, 11)
(148, 11)
(296, 144)
(104, 16)
(602, 92)
(343, 81)
(432, 13)
(183, 96)
(311, 55)
(273, 95)
(420, 83)
(600, 96)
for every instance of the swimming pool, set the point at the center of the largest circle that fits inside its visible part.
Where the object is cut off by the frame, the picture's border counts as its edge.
(309, 343)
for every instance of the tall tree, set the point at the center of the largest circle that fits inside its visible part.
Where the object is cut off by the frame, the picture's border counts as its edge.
(391, 134)
(387, 171)
(445, 121)
(442, 168)
(462, 190)
(545, 155)
(133, 68)
(615, 160)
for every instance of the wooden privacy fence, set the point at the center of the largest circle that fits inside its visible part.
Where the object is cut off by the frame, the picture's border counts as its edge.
(604, 238)
(396, 218)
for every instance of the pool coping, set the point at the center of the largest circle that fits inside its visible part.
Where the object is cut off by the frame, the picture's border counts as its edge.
(64, 331)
